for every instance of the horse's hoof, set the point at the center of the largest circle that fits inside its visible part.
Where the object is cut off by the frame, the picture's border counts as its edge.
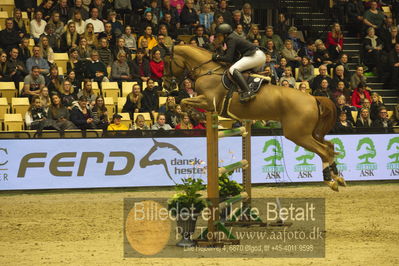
(332, 184)
(341, 181)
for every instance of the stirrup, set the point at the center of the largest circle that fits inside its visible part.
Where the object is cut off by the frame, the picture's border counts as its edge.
(246, 96)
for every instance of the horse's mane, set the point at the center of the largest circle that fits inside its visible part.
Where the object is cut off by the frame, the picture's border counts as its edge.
(200, 52)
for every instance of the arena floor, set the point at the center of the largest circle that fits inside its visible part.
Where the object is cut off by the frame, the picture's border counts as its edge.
(85, 227)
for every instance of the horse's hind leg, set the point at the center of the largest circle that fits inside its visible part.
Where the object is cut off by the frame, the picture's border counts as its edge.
(321, 149)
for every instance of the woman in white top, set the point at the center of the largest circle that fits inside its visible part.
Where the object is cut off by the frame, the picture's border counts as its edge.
(37, 25)
(79, 22)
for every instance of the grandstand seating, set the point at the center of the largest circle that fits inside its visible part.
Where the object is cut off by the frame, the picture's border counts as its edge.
(109, 103)
(7, 5)
(7, 90)
(4, 108)
(125, 120)
(61, 60)
(121, 103)
(111, 89)
(20, 105)
(13, 122)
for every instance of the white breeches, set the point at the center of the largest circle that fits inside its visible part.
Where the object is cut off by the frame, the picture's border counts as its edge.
(249, 62)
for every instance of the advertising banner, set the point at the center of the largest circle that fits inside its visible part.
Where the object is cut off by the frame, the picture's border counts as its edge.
(139, 162)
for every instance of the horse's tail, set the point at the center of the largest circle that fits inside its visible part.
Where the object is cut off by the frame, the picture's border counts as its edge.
(327, 117)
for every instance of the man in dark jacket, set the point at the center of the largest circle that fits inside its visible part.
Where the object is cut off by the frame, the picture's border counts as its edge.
(140, 67)
(188, 16)
(316, 84)
(9, 38)
(81, 116)
(394, 64)
(96, 69)
(19, 71)
(382, 122)
(201, 40)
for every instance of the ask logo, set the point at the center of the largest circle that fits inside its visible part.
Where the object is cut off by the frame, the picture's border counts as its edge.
(3, 164)
(274, 152)
(340, 149)
(393, 147)
(303, 167)
(367, 151)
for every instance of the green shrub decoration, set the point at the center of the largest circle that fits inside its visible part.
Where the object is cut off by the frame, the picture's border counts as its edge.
(227, 187)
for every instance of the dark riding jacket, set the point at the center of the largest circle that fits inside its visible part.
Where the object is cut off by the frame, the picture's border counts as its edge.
(236, 48)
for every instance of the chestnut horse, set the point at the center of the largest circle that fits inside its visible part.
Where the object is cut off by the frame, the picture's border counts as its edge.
(305, 119)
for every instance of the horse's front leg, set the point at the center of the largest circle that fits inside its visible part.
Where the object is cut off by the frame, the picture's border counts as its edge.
(199, 102)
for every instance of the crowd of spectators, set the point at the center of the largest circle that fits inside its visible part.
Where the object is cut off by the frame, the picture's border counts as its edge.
(126, 40)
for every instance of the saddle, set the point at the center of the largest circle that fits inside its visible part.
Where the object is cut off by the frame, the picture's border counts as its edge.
(254, 81)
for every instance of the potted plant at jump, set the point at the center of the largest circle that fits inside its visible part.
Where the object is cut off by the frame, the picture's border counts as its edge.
(227, 189)
(186, 205)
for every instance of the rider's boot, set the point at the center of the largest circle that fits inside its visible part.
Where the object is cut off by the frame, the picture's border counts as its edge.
(245, 93)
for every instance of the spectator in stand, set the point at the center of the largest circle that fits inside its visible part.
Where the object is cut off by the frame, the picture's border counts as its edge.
(200, 38)
(281, 67)
(324, 90)
(198, 120)
(33, 83)
(343, 125)
(188, 16)
(392, 40)
(303, 87)
(79, 21)
(124, 9)
(88, 92)
(173, 115)
(147, 22)
(162, 46)
(376, 104)
(84, 50)
(285, 83)
(385, 32)
(223, 10)
(46, 7)
(268, 72)
(37, 25)
(70, 38)
(218, 19)
(120, 71)
(73, 60)
(18, 23)
(306, 70)
(133, 101)
(63, 10)
(239, 31)
(57, 23)
(269, 35)
(100, 113)
(254, 34)
(17, 67)
(37, 60)
(23, 50)
(108, 34)
(155, 10)
(343, 106)
(335, 41)
(53, 80)
(357, 77)
(309, 50)
(297, 44)
(382, 121)
(171, 17)
(116, 124)
(363, 121)
(373, 17)
(47, 52)
(290, 54)
(274, 54)
(394, 63)
(359, 94)
(339, 75)
(4, 68)
(322, 75)
(372, 48)
(161, 123)
(90, 36)
(98, 25)
(186, 91)
(178, 4)
(76, 84)
(322, 56)
(78, 7)
(282, 26)
(139, 123)
(68, 95)
(121, 47)
(341, 89)
(355, 11)
(157, 67)
(185, 122)
(287, 75)
(206, 17)
(36, 114)
(45, 98)
(59, 114)
(81, 116)
(96, 69)
(163, 30)
(104, 52)
(117, 27)
(9, 37)
(130, 40)
(152, 41)
(236, 18)
(150, 101)
(140, 67)
(52, 37)
(247, 19)
(343, 61)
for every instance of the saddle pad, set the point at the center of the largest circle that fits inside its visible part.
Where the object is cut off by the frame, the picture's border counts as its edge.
(254, 82)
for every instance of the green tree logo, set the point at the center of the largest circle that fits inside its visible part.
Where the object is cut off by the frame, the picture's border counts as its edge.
(370, 148)
(307, 156)
(340, 149)
(394, 143)
(277, 152)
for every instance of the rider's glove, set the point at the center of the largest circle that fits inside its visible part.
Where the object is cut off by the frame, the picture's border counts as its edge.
(216, 57)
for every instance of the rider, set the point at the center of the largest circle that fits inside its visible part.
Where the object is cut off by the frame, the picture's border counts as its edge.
(250, 57)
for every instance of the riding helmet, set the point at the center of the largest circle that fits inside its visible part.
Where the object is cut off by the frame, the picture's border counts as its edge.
(224, 29)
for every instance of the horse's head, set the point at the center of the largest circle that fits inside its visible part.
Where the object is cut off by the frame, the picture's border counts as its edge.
(174, 67)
